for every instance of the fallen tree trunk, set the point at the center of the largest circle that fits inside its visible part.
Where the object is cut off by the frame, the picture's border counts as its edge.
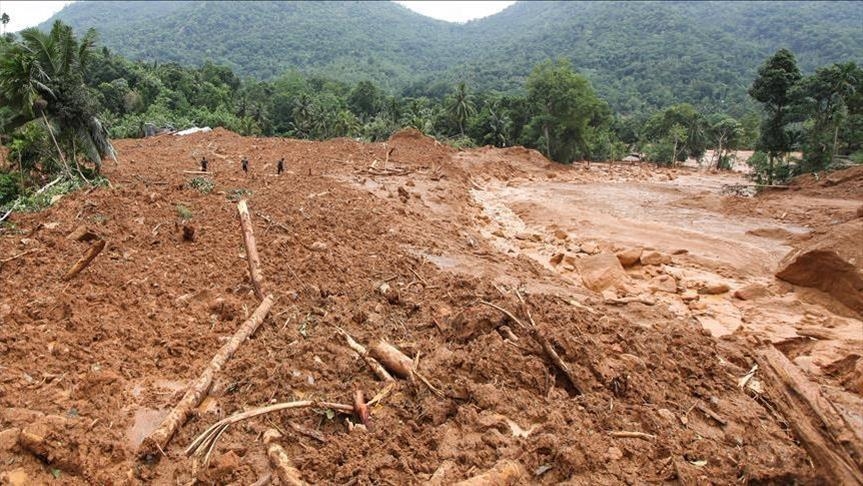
(798, 400)
(287, 473)
(251, 249)
(85, 260)
(159, 439)
(505, 472)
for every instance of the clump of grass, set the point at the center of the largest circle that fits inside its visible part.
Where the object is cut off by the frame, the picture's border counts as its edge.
(235, 195)
(204, 185)
(29, 203)
(184, 213)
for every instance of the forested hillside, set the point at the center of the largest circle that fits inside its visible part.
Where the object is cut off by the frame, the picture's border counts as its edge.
(639, 56)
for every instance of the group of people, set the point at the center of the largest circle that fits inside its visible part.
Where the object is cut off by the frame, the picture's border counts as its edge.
(280, 165)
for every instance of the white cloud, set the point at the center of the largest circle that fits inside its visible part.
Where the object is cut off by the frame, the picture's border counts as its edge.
(456, 11)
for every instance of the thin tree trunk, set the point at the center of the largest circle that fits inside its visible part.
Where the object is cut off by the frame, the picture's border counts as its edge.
(719, 153)
(770, 169)
(547, 142)
(835, 143)
(60, 152)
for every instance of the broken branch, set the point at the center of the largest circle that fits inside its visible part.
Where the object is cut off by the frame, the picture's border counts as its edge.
(159, 439)
(287, 473)
(379, 370)
(85, 260)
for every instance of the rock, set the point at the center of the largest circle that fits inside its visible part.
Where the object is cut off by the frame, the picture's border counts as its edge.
(590, 247)
(630, 257)
(860, 212)
(614, 454)
(663, 283)
(751, 292)
(600, 272)
(403, 194)
(714, 288)
(563, 235)
(832, 262)
(498, 233)
(318, 246)
(654, 258)
(667, 414)
(8, 439)
(225, 464)
(689, 295)
(556, 259)
(16, 477)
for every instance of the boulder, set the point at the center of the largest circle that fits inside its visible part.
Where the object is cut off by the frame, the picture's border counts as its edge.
(601, 271)
(832, 262)
(630, 256)
(751, 292)
(663, 283)
(654, 258)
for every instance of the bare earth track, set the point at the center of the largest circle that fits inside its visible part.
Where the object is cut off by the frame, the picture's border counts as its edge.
(94, 364)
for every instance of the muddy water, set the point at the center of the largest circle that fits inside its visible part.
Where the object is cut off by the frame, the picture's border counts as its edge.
(644, 215)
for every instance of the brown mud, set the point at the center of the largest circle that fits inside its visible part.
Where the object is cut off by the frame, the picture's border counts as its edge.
(94, 364)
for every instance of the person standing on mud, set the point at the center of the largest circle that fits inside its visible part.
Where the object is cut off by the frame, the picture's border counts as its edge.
(280, 166)
(245, 163)
(204, 164)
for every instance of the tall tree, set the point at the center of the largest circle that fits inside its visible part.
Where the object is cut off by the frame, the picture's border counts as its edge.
(42, 76)
(461, 106)
(565, 109)
(773, 88)
(4, 19)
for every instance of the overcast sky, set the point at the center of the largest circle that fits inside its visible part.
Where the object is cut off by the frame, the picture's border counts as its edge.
(27, 14)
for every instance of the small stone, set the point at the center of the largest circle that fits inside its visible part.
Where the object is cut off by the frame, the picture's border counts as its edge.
(714, 288)
(689, 295)
(655, 258)
(614, 454)
(663, 283)
(16, 477)
(8, 439)
(561, 235)
(666, 414)
(556, 259)
(318, 246)
(590, 247)
(629, 257)
(751, 292)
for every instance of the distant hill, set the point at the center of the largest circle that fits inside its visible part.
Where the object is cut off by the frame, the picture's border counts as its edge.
(638, 55)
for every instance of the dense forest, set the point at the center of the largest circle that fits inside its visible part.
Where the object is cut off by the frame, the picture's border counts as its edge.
(63, 96)
(640, 56)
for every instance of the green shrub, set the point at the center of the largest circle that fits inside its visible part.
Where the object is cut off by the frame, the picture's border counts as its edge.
(204, 185)
(183, 212)
(9, 188)
(235, 195)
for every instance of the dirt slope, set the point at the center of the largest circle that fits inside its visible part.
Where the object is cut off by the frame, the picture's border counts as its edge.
(111, 351)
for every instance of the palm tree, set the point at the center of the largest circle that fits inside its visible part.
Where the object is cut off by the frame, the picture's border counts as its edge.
(4, 19)
(461, 107)
(42, 76)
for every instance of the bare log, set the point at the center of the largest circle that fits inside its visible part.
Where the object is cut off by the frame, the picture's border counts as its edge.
(791, 381)
(85, 260)
(505, 472)
(285, 470)
(159, 439)
(393, 359)
(797, 399)
(379, 370)
(251, 248)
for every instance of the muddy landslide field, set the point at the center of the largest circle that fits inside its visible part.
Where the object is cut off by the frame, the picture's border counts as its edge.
(703, 337)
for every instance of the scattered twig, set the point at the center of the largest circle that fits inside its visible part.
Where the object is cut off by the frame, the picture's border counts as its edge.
(207, 440)
(314, 434)
(624, 434)
(711, 414)
(15, 257)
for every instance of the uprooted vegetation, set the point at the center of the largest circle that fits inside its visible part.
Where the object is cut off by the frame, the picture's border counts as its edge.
(443, 255)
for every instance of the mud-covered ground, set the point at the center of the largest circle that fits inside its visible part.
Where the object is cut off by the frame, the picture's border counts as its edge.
(96, 362)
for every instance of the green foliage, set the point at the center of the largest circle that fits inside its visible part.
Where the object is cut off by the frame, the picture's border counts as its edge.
(234, 195)
(9, 187)
(566, 112)
(769, 171)
(184, 213)
(640, 56)
(204, 185)
(680, 128)
(37, 202)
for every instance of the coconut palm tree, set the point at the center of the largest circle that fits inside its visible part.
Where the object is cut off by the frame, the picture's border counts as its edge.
(461, 106)
(42, 76)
